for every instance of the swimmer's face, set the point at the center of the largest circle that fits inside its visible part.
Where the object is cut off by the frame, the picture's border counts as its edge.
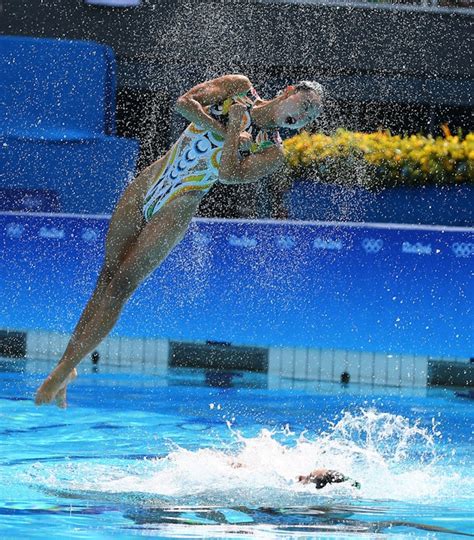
(296, 108)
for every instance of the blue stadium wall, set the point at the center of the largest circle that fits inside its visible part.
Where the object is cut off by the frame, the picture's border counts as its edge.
(403, 289)
(429, 205)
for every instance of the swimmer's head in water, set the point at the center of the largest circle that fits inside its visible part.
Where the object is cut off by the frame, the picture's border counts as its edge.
(299, 104)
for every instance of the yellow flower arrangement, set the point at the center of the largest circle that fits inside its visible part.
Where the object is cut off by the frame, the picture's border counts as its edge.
(381, 159)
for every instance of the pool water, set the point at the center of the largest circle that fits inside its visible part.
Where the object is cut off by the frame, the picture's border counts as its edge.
(193, 454)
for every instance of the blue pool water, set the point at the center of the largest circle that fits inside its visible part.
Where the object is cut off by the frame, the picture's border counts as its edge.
(188, 455)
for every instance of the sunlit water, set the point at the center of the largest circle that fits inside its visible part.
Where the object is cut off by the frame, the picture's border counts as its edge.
(170, 456)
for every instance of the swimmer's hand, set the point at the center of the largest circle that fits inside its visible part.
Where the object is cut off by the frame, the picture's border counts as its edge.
(54, 387)
(236, 112)
(245, 140)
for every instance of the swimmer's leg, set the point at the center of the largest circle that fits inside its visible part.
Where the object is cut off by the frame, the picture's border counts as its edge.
(125, 226)
(152, 246)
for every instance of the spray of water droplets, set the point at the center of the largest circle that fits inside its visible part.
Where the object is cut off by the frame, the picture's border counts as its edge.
(392, 457)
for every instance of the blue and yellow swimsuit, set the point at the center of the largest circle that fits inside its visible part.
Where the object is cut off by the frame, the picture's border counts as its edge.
(193, 161)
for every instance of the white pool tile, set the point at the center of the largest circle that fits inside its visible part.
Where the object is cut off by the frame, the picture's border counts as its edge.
(36, 366)
(300, 363)
(113, 350)
(64, 341)
(420, 372)
(353, 365)
(43, 346)
(104, 350)
(273, 382)
(51, 345)
(327, 365)
(366, 362)
(407, 370)
(148, 355)
(314, 364)
(162, 352)
(287, 383)
(138, 351)
(394, 375)
(287, 362)
(125, 352)
(32, 344)
(274, 361)
(150, 352)
(55, 346)
(300, 385)
(339, 363)
(380, 368)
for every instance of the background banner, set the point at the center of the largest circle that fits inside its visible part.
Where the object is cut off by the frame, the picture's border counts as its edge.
(395, 289)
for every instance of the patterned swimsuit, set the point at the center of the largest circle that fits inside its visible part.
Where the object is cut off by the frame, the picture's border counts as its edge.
(193, 162)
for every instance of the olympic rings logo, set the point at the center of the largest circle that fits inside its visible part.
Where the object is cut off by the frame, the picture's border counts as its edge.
(286, 242)
(463, 249)
(372, 245)
(15, 230)
(89, 235)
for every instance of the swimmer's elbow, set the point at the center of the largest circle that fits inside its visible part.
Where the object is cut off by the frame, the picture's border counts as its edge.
(186, 106)
(182, 104)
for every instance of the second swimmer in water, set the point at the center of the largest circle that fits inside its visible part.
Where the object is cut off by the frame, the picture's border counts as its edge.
(323, 477)
(232, 138)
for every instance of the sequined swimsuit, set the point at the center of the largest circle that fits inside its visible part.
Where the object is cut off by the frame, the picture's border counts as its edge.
(193, 161)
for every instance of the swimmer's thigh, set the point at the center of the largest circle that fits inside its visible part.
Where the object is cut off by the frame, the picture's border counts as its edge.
(154, 243)
(127, 221)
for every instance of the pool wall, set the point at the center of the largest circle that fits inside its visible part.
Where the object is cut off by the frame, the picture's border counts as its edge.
(377, 301)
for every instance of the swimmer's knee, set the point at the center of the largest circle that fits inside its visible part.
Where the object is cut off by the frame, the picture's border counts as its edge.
(108, 272)
(106, 275)
(121, 287)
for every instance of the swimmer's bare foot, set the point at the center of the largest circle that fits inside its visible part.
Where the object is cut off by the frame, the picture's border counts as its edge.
(54, 387)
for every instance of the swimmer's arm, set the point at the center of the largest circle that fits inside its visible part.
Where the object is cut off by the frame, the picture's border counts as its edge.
(232, 169)
(229, 166)
(191, 104)
(253, 168)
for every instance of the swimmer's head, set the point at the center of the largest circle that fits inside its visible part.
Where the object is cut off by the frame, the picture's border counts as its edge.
(298, 104)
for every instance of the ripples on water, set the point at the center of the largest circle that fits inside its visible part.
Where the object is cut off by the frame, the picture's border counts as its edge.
(128, 460)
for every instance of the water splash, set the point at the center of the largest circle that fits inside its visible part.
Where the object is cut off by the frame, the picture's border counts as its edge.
(393, 458)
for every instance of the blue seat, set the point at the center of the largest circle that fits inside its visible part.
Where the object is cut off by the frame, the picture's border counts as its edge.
(87, 176)
(56, 89)
(57, 124)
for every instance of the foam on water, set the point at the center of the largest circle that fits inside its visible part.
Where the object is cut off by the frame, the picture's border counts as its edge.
(393, 458)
